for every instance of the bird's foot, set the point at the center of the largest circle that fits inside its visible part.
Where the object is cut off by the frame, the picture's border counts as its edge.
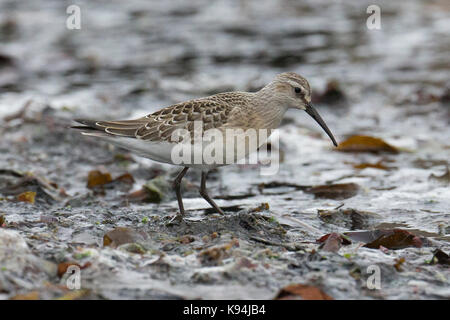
(176, 219)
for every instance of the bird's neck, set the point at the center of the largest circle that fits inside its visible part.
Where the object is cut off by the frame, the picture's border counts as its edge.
(269, 108)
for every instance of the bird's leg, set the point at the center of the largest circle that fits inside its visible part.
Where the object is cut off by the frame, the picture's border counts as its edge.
(205, 194)
(177, 186)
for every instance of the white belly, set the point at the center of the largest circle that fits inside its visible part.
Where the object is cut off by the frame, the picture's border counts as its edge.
(204, 154)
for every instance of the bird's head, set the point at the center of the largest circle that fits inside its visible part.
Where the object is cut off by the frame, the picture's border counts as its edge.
(294, 92)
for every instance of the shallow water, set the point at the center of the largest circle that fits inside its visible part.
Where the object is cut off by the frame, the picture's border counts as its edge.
(132, 58)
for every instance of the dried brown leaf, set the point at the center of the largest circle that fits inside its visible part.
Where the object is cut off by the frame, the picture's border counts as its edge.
(98, 178)
(386, 238)
(344, 239)
(27, 196)
(333, 242)
(366, 144)
(125, 178)
(398, 239)
(302, 291)
(377, 165)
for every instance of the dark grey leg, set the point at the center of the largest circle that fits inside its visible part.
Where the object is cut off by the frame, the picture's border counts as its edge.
(177, 186)
(205, 194)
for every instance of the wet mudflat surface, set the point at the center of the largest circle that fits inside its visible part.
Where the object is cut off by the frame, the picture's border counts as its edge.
(325, 221)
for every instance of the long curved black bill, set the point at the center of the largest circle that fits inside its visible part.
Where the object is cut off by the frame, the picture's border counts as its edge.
(316, 116)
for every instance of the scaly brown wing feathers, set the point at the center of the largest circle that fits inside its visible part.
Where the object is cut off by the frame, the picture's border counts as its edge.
(213, 112)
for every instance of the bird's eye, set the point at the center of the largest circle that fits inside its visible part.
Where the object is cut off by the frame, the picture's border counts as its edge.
(297, 90)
